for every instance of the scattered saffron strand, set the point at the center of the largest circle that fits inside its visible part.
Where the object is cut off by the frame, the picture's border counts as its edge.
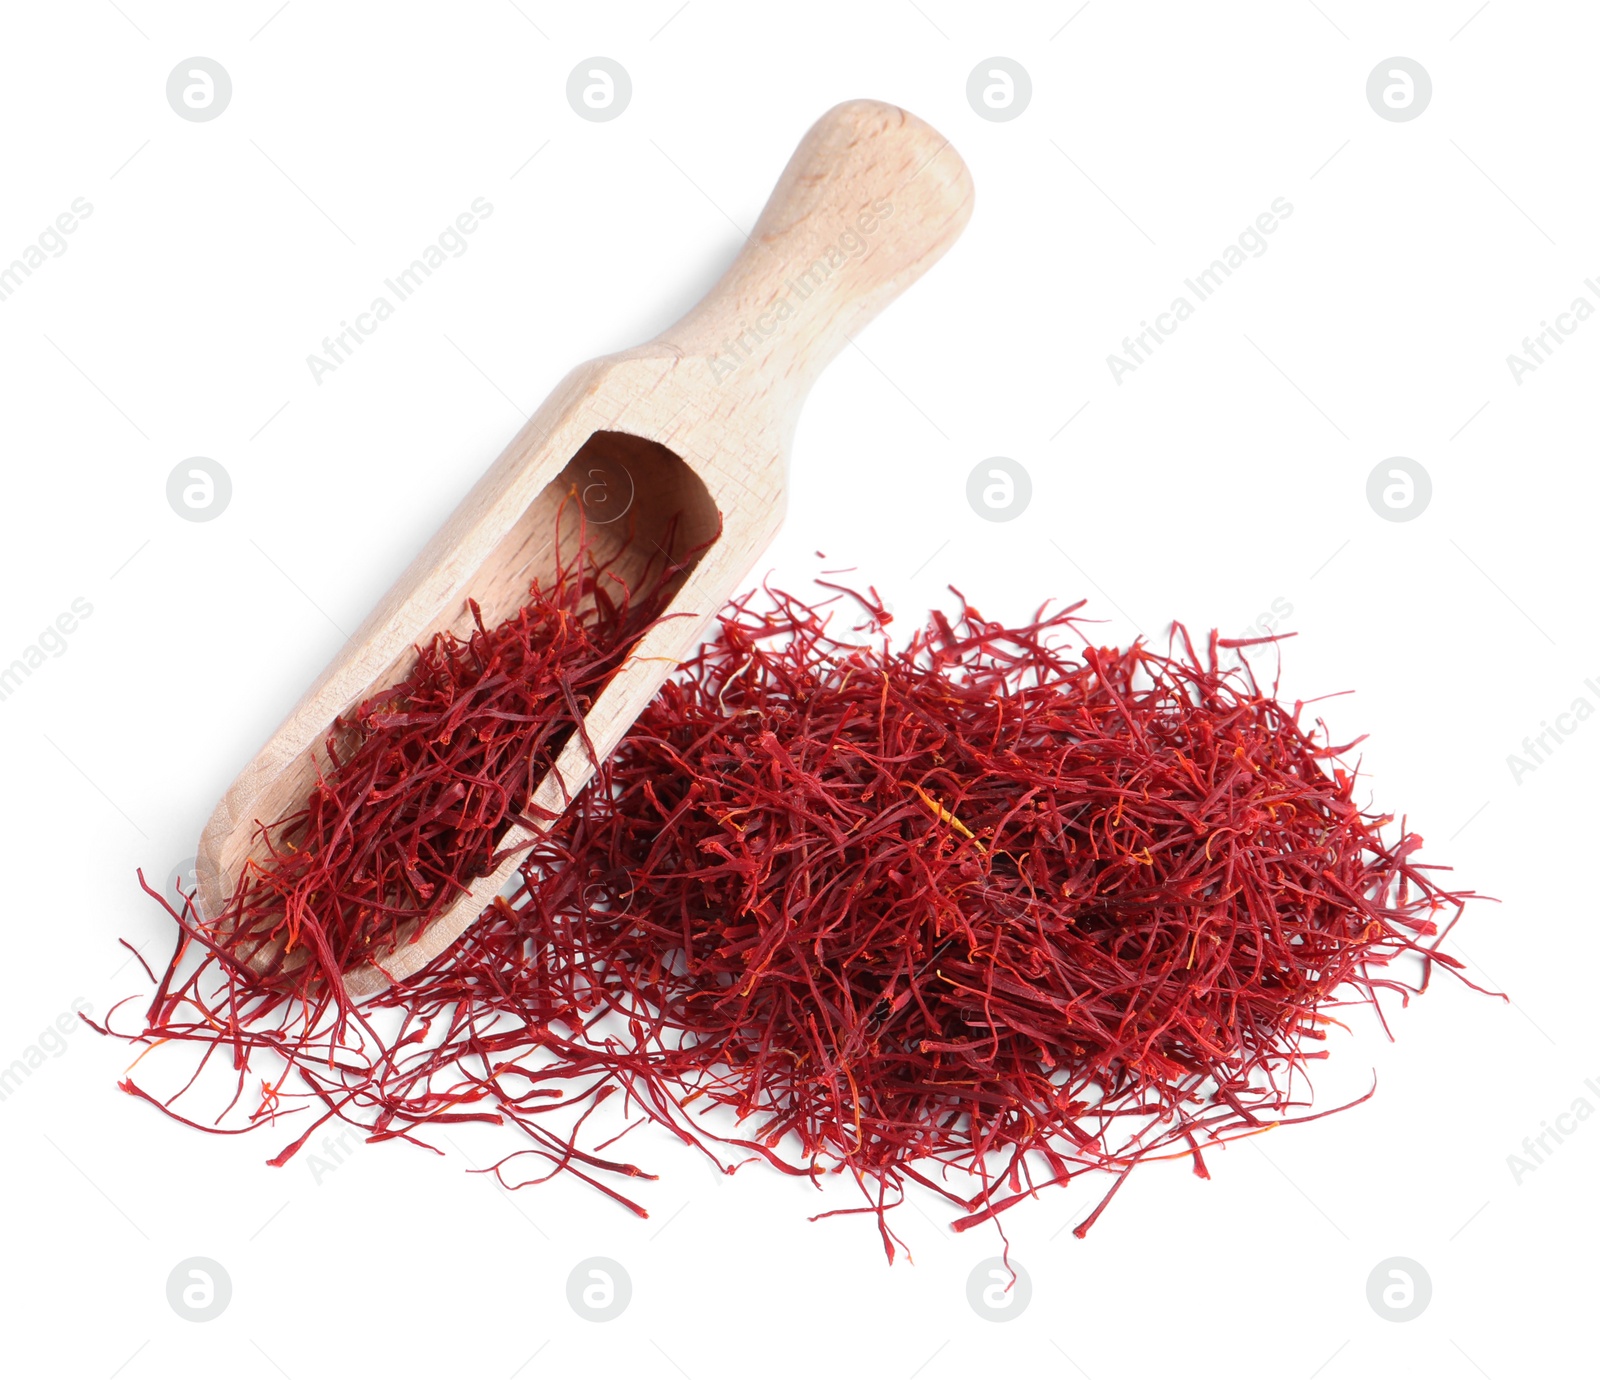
(1041, 950)
(985, 913)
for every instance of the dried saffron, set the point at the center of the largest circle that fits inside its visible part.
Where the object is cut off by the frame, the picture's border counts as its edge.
(423, 780)
(979, 904)
(990, 905)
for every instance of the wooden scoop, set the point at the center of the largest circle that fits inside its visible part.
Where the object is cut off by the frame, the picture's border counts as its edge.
(684, 440)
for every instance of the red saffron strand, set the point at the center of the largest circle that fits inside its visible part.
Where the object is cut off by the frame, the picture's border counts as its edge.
(1031, 845)
(983, 913)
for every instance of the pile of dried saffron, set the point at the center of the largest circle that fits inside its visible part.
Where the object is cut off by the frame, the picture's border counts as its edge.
(421, 784)
(978, 903)
(991, 910)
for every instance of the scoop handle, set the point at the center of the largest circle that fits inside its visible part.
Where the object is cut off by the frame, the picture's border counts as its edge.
(872, 198)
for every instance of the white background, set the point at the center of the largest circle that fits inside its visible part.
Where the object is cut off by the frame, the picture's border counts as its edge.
(1228, 472)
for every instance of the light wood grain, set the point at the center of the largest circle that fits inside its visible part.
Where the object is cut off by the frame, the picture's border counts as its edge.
(871, 198)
